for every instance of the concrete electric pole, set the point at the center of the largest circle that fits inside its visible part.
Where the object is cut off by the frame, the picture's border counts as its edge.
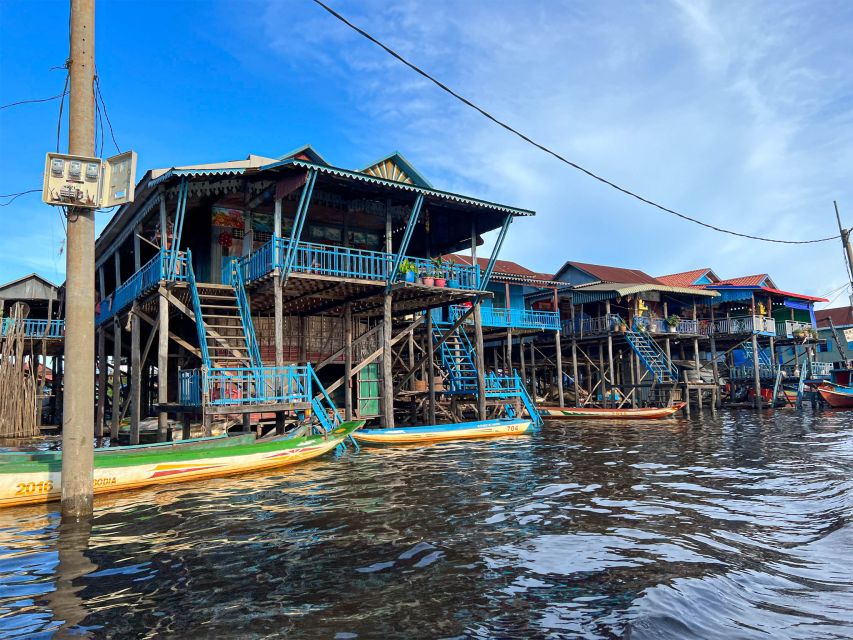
(79, 411)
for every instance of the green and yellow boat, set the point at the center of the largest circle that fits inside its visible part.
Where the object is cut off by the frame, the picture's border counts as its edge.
(36, 477)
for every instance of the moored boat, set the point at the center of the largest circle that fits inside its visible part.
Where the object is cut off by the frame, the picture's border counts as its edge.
(643, 413)
(439, 432)
(37, 477)
(836, 395)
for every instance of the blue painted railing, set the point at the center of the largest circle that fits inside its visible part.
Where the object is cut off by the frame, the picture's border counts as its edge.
(142, 282)
(235, 278)
(201, 333)
(46, 329)
(258, 385)
(342, 262)
(507, 387)
(512, 318)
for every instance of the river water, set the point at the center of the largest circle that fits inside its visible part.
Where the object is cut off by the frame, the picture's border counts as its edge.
(732, 527)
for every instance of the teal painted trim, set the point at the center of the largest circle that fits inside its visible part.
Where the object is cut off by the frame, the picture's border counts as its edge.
(487, 275)
(183, 191)
(199, 319)
(407, 237)
(298, 224)
(243, 307)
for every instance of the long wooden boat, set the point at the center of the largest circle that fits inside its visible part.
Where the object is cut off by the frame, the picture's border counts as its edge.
(836, 395)
(37, 477)
(439, 432)
(644, 413)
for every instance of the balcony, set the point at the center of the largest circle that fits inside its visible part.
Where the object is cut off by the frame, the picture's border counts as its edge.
(760, 325)
(341, 262)
(37, 329)
(158, 269)
(512, 318)
(683, 327)
(591, 325)
(786, 329)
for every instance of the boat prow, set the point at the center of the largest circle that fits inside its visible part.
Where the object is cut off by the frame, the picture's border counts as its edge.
(836, 395)
(643, 413)
(437, 433)
(37, 478)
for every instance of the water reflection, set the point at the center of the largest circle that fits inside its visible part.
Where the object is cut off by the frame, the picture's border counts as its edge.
(734, 527)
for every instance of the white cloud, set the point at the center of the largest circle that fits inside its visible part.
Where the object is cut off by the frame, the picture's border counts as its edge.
(735, 113)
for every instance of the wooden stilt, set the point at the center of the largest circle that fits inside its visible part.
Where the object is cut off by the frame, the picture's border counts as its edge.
(523, 363)
(102, 385)
(534, 383)
(348, 362)
(163, 366)
(558, 344)
(756, 371)
(135, 377)
(387, 355)
(603, 380)
(575, 355)
(430, 369)
(115, 408)
(481, 362)
(186, 430)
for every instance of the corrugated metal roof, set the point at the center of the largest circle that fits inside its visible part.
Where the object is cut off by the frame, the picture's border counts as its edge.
(196, 173)
(685, 278)
(627, 289)
(841, 316)
(435, 193)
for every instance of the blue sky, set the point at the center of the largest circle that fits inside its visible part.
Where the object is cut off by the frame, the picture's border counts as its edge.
(738, 113)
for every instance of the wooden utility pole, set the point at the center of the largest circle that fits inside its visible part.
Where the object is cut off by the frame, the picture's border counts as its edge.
(845, 240)
(78, 416)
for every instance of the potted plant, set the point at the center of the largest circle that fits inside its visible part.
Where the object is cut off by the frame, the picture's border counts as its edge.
(652, 326)
(438, 270)
(407, 268)
(622, 326)
(672, 322)
(453, 279)
(798, 334)
(427, 278)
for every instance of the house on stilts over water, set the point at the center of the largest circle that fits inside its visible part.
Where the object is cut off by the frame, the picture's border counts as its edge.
(265, 290)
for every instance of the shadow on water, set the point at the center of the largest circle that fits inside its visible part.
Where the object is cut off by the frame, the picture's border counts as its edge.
(731, 527)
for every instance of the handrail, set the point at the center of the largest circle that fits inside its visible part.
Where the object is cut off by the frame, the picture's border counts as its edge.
(199, 319)
(336, 418)
(34, 328)
(512, 318)
(245, 312)
(345, 262)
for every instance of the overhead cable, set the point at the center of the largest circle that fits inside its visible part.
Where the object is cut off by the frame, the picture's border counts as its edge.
(549, 151)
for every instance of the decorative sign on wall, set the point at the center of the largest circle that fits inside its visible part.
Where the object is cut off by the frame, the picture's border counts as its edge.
(224, 217)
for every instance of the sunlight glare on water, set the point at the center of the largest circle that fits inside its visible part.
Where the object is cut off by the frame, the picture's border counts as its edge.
(734, 527)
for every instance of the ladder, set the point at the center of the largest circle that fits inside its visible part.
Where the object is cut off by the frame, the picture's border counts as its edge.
(652, 356)
(841, 345)
(457, 358)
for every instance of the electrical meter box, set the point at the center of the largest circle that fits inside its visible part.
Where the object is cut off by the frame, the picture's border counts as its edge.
(78, 181)
(74, 181)
(119, 179)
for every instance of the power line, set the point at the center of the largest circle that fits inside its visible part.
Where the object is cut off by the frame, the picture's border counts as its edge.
(15, 196)
(106, 115)
(542, 147)
(15, 104)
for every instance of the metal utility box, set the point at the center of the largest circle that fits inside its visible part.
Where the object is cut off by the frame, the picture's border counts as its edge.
(78, 181)
(74, 181)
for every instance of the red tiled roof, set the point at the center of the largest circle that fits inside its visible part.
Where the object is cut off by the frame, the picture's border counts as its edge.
(841, 316)
(502, 267)
(685, 278)
(744, 281)
(615, 274)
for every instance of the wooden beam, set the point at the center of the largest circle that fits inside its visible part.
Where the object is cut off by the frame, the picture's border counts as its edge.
(186, 345)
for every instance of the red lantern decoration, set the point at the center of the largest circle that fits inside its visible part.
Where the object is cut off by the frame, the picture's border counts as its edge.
(225, 240)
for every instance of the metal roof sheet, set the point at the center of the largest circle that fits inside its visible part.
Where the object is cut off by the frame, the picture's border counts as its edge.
(435, 193)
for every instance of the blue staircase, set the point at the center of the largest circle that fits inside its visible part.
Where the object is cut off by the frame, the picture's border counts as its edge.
(763, 357)
(512, 387)
(457, 358)
(652, 356)
(224, 323)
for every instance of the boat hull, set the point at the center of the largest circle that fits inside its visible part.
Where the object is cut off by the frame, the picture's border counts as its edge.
(38, 481)
(836, 396)
(438, 433)
(647, 413)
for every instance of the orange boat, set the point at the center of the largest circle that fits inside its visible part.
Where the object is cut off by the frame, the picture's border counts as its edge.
(836, 395)
(645, 413)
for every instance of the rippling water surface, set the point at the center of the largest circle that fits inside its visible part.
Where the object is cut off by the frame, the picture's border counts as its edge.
(734, 527)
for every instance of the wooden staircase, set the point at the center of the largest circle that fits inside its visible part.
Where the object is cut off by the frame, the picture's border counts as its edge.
(227, 343)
